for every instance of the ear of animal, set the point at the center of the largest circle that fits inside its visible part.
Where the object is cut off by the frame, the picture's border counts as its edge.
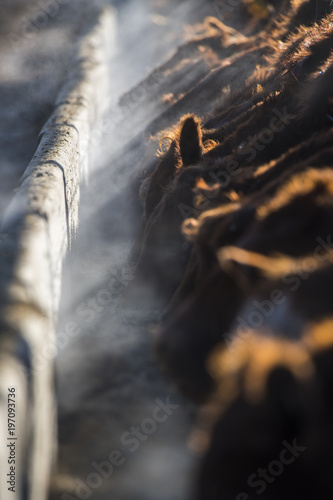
(238, 263)
(190, 141)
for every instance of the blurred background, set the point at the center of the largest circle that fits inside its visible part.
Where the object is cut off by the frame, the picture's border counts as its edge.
(112, 396)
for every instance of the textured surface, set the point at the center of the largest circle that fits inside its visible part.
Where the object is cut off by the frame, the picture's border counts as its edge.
(36, 231)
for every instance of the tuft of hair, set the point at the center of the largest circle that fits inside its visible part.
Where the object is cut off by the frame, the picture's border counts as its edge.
(213, 24)
(319, 183)
(164, 144)
(209, 145)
